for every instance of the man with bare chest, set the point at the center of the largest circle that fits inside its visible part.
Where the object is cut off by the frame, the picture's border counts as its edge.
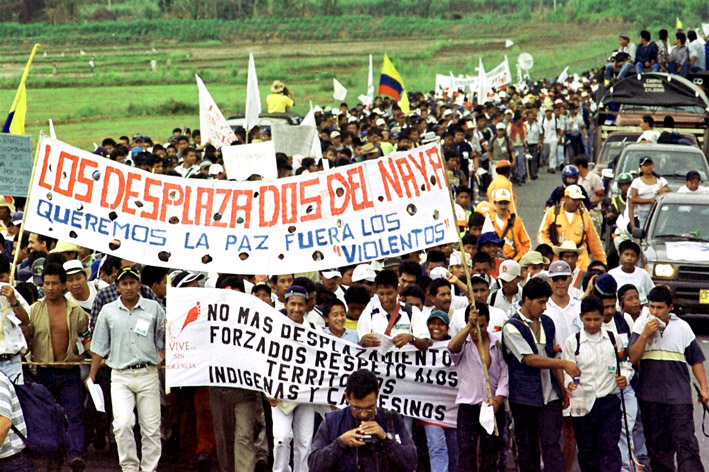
(59, 334)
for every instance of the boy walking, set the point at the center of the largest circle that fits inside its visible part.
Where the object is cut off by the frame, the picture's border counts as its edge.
(597, 418)
(662, 345)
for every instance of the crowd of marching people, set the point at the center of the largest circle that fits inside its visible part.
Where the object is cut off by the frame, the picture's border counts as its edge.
(578, 358)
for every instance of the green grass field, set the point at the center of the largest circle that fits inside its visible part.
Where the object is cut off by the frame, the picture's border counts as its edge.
(123, 95)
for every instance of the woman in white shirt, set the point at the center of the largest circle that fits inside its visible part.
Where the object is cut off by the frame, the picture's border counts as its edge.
(642, 192)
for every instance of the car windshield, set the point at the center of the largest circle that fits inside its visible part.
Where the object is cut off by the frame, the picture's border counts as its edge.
(669, 164)
(682, 221)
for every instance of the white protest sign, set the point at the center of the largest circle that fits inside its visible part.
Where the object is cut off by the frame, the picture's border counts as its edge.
(15, 164)
(357, 213)
(224, 338)
(705, 29)
(292, 140)
(244, 160)
(214, 127)
(500, 76)
(448, 82)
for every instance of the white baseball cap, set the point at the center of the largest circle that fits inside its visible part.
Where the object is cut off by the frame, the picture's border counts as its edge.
(509, 270)
(363, 272)
(574, 192)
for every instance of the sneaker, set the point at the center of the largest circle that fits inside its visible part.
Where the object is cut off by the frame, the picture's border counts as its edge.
(77, 464)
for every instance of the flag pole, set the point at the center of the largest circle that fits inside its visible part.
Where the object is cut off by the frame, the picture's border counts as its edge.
(466, 268)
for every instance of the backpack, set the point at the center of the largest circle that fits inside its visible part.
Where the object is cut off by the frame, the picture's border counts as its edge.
(44, 417)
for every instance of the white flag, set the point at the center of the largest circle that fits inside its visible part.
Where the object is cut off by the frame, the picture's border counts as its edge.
(451, 87)
(253, 97)
(340, 91)
(369, 98)
(212, 123)
(563, 76)
(309, 120)
(52, 134)
(509, 43)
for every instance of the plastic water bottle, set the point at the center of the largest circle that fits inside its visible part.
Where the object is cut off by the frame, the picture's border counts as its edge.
(578, 403)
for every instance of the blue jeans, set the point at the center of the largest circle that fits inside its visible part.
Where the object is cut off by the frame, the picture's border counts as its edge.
(66, 386)
(683, 71)
(639, 67)
(624, 69)
(442, 448)
(18, 463)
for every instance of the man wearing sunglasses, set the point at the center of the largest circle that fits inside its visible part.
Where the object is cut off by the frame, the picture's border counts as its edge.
(362, 436)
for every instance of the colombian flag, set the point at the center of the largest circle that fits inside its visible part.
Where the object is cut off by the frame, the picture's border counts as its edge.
(15, 122)
(391, 85)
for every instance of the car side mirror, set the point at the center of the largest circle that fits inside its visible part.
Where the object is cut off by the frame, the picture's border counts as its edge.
(639, 233)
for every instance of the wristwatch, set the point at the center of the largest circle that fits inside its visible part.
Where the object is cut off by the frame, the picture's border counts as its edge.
(15, 305)
(413, 340)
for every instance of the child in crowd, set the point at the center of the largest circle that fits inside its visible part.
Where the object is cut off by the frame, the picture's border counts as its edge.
(442, 441)
(628, 273)
(693, 184)
(472, 392)
(595, 408)
(335, 316)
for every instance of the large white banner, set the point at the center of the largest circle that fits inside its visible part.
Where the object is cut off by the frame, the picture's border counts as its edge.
(224, 338)
(500, 76)
(466, 84)
(357, 213)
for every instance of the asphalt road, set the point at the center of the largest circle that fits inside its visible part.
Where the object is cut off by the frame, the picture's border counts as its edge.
(531, 198)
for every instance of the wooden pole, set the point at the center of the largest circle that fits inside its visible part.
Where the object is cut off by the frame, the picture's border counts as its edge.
(471, 300)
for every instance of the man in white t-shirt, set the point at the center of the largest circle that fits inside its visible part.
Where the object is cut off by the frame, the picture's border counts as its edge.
(481, 292)
(562, 308)
(628, 273)
(80, 290)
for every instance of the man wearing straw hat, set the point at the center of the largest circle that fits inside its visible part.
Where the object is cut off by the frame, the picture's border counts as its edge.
(280, 99)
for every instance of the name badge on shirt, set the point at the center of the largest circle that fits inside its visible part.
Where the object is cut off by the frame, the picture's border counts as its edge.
(611, 368)
(80, 345)
(642, 295)
(402, 327)
(141, 327)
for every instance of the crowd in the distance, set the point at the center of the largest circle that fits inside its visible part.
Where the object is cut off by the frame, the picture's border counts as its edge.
(582, 352)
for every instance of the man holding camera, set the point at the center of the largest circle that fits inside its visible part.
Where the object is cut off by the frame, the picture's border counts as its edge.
(362, 436)
(280, 99)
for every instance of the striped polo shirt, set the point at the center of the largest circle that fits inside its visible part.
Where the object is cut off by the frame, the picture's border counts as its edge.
(10, 408)
(664, 367)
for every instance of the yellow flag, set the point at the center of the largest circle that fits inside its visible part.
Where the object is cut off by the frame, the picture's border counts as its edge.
(15, 122)
(678, 23)
(404, 102)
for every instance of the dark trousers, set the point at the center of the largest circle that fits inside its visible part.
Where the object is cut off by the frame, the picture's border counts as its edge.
(597, 435)
(669, 430)
(17, 463)
(470, 433)
(535, 425)
(534, 162)
(66, 386)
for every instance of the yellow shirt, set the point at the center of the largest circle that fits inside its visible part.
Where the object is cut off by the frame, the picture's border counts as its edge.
(278, 103)
(351, 324)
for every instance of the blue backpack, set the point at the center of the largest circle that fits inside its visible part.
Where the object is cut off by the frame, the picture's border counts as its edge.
(44, 417)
